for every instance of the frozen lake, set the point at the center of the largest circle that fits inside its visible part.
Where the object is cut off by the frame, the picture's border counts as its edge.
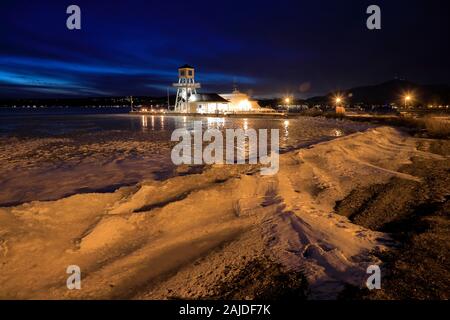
(79, 126)
(47, 156)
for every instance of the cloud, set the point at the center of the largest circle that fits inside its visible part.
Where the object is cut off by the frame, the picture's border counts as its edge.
(46, 75)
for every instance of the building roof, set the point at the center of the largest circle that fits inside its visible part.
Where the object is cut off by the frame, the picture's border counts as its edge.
(186, 66)
(207, 97)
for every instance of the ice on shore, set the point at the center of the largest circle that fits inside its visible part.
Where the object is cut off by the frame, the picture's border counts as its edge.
(50, 157)
(52, 168)
(176, 238)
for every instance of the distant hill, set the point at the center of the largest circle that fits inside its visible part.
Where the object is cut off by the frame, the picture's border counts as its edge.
(390, 92)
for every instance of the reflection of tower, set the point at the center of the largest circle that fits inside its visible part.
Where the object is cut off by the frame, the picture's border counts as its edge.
(186, 87)
(131, 103)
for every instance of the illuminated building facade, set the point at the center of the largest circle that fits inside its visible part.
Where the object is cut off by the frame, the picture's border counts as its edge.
(189, 101)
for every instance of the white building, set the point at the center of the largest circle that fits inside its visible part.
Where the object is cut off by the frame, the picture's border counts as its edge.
(189, 101)
(240, 102)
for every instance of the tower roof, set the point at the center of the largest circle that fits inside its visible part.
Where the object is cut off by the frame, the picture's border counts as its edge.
(186, 66)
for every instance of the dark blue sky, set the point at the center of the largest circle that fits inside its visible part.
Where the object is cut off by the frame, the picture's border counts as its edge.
(269, 48)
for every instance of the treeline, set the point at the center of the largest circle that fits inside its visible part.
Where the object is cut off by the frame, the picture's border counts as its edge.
(85, 102)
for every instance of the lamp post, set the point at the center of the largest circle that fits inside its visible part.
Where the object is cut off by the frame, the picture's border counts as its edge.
(337, 101)
(287, 102)
(407, 98)
(339, 110)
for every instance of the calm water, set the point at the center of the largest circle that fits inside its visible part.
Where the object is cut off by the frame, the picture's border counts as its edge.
(293, 132)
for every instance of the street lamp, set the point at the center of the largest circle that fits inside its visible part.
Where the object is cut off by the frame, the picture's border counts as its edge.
(407, 98)
(287, 102)
(339, 100)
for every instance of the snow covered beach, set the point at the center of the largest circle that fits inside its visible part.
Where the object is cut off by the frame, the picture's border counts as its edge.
(182, 236)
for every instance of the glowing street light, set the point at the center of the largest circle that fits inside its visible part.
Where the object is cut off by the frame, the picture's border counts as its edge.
(407, 99)
(338, 100)
(287, 101)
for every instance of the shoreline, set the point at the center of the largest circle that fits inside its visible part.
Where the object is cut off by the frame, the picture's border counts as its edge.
(213, 115)
(433, 125)
(187, 241)
(116, 151)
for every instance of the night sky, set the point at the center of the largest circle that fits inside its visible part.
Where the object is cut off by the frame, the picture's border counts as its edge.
(269, 48)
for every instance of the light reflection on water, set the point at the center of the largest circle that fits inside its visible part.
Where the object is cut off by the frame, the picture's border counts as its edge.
(144, 122)
(286, 129)
(215, 123)
(292, 131)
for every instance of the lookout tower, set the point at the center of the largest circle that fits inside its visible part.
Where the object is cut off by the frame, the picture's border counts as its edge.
(186, 87)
